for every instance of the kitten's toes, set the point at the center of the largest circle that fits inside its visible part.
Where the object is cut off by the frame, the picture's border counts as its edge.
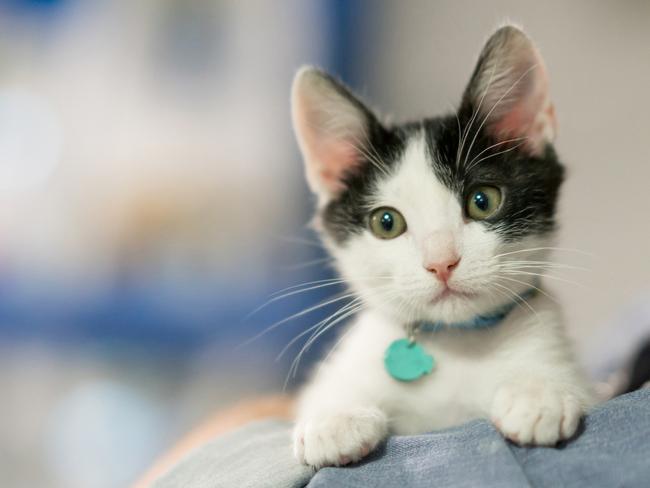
(339, 439)
(535, 414)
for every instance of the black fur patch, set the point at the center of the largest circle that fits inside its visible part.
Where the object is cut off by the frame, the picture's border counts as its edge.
(529, 184)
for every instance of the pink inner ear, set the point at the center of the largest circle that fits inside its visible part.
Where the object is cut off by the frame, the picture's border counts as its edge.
(329, 153)
(517, 122)
(336, 158)
(531, 115)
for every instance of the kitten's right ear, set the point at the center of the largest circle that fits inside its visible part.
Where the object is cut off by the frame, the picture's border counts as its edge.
(509, 90)
(332, 128)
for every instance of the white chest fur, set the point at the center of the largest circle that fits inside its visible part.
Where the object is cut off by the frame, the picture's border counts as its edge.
(472, 367)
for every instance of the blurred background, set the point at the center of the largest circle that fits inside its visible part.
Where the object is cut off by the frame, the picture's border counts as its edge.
(152, 197)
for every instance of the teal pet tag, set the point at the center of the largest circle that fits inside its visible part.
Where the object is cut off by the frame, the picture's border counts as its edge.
(405, 360)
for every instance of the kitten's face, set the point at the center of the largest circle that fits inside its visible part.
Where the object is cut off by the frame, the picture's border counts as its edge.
(436, 201)
(432, 220)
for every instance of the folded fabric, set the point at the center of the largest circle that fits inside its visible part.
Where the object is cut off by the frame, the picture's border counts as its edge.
(611, 450)
(255, 456)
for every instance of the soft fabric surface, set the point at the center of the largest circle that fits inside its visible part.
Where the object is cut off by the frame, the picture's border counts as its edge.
(611, 450)
(255, 456)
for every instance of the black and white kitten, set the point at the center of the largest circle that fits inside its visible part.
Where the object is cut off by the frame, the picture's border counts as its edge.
(441, 227)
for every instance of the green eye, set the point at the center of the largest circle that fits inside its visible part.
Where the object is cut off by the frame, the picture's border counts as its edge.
(483, 202)
(387, 223)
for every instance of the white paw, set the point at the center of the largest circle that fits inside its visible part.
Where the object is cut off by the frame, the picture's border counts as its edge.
(535, 414)
(339, 439)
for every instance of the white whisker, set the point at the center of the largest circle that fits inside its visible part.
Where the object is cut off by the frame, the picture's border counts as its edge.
(275, 325)
(308, 264)
(545, 249)
(294, 365)
(341, 310)
(544, 275)
(487, 116)
(521, 300)
(478, 109)
(471, 165)
(530, 286)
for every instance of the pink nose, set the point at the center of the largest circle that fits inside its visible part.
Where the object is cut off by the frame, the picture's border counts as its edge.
(444, 268)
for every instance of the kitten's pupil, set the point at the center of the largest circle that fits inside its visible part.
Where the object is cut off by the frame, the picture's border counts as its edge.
(387, 221)
(482, 201)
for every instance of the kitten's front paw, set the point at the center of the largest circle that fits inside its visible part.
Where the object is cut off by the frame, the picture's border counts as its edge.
(339, 439)
(536, 414)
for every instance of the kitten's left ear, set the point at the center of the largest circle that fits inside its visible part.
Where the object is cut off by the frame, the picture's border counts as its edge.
(509, 88)
(332, 127)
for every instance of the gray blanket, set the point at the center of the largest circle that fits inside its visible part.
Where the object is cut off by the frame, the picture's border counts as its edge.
(611, 449)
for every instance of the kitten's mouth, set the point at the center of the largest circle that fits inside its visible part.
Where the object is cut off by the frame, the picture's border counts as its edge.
(449, 292)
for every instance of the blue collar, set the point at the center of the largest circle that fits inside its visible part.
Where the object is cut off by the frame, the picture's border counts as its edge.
(480, 321)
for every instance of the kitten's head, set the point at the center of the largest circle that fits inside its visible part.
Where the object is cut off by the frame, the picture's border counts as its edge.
(433, 220)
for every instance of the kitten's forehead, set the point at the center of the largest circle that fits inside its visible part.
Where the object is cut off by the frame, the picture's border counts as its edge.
(416, 187)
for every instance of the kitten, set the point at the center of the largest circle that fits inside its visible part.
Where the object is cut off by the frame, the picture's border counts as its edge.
(442, 228)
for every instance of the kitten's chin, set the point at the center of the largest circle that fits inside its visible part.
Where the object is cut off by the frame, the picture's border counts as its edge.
(452, 294)
(448, 306)
(453, 307)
